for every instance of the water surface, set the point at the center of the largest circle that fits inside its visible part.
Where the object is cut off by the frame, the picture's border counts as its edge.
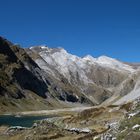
(24, 121)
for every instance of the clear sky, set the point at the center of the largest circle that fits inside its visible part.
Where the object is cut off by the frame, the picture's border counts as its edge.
(96, 27)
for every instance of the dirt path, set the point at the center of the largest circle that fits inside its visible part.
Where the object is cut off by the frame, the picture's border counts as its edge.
(49, 112)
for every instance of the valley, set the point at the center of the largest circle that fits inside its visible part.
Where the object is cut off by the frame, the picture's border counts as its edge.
(87, 98)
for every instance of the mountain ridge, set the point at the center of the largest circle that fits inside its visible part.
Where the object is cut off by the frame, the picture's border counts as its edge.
(62, 79)
(67, 63)
(91, 97)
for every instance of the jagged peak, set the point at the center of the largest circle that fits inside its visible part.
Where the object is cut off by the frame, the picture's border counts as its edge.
(39, 47)
(106, 58)
(89, 58)
(46, 49)
(61, 56)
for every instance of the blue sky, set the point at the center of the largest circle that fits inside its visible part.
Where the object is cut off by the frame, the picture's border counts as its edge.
(96, 27)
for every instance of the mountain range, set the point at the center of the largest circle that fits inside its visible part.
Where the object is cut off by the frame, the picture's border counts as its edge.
(40, 77)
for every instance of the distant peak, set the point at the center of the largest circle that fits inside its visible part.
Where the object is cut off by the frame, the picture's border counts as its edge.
(39, 47)
(108, 60)
(89, 58)
(104, 57)
(43, 47)
(61, 49)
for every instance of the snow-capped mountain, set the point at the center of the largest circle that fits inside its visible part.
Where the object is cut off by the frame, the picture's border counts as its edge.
(60, 79)
(61, 57)
(68, 64)
(94, 77)
(42, 78)
(109, 62)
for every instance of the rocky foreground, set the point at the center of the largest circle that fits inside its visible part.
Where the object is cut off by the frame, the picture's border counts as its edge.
(98, 123)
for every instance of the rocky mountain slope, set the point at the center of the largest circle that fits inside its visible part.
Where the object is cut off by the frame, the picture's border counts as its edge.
(104, 92)
(95, 123)
(100, 79)
(26, 86)
(17, 83)
(44, 78)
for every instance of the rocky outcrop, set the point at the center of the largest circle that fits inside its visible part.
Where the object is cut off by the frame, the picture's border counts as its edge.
(15, 73)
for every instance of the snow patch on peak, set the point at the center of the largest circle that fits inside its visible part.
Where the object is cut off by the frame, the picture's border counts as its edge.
(113, 63)
(31, 48)
(89, 58)
(44, 47)
(104, 57)
(62, 50)
(40, 46)
(66, 62)
(108, 61)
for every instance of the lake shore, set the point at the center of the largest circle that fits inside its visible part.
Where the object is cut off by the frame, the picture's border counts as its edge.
(49, 112)
(55, 111)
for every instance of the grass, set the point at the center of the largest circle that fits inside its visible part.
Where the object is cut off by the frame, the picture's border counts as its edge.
(127, 133)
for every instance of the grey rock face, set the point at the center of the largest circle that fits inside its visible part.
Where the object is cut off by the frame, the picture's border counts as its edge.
(95, 78)
(57, 76)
